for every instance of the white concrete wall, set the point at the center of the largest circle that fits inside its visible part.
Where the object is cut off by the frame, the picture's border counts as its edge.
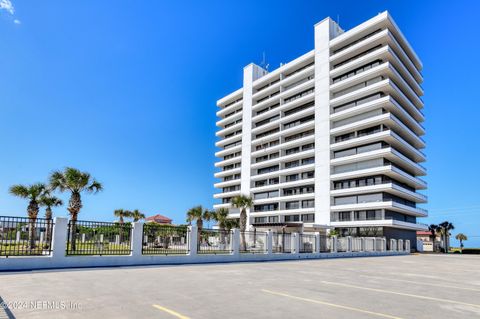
(58, 259)
(323, 34)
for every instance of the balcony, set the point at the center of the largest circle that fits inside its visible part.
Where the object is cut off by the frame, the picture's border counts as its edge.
(390, 187)
(390, 205)
(380, 223)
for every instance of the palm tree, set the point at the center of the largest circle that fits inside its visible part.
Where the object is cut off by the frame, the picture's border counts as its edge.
(121, 214)
(242, 202)
(33, 193)
(446, 227)
(75, 182)
(49, 201)
(433, 229)
(198, 214)
(137, 215)
(461, 237)
(221, 217)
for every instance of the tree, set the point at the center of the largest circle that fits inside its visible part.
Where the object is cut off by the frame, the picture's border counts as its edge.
(221, 217)
(137, 215)
(121, 214)
(242, 202)
(461, 237)
(49, 201)
(33, 193)
(446, 227)
(198, 214)
(433, 229)
(76, 182)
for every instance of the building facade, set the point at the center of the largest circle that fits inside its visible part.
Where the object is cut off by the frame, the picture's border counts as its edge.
(331, 139)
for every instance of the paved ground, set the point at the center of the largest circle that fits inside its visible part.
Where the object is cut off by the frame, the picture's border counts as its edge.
(416, 286)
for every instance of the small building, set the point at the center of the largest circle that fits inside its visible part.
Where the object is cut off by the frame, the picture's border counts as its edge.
(159, 219)
(424, 239)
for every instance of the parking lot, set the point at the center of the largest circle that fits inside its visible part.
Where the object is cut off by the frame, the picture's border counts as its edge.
(415, 286)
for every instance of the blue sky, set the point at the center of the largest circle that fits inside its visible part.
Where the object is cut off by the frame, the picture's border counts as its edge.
(126, 90)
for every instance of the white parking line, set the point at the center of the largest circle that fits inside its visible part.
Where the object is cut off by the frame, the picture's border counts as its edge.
(421, 283)
(172, 312)
(378, 314)
(402, 294)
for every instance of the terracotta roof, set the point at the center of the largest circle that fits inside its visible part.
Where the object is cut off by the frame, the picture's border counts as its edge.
(159, 219)
(421, 232)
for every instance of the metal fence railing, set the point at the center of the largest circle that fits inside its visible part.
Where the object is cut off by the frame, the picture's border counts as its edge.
(281, 243)
(165, 239)
(98, 238)
(325, 243)
(342, 243)
(214, 241)
(253, 242)
(20, 236)
(356, 244)
(307, 243)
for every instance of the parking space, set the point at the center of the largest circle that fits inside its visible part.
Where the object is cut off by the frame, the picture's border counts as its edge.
(415, 286)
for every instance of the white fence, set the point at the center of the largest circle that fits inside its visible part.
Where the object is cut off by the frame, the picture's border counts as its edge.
(321, 247)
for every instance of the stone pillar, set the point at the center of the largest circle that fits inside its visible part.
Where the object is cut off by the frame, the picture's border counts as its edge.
(400, 245)
(59, 238)
(384, 246)
(374, 244)
(136, 239)
(83, 237)
(18, 237)
(269, 242)
(236, 242)
(362, 244)
(42, 238)
(193, 240)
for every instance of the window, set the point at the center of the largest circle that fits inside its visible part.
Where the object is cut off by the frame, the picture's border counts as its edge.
(357, 71)
(267, 169)
(292, 164)
(265, 207)
(310, 174)
(308, 203)
(308, 218)
(265, 195)
(299, 108)
(309, 160)
(298, 135)
(292, 205)
(292, 218)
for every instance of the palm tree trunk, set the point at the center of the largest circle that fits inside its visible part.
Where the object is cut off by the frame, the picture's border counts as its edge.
(199, 231)
(120, 233)
(243, 227)
(74, 206)
(31, 233)
(48, 232)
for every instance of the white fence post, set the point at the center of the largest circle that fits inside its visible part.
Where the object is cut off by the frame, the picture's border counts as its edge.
(136, 240)
(384, 246)
(407, 245)
(362, 243)
(269, 242)
(333, 244)
(295, 243)
(59, 238)
(374, 244)
(400, 245)
(349, 244)
(193, 242)
(236, 242)
(317, 243)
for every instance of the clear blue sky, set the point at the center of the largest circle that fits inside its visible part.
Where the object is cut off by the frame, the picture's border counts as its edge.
(126, 90)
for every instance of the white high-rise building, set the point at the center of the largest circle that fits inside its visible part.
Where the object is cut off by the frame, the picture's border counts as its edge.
(331, 139)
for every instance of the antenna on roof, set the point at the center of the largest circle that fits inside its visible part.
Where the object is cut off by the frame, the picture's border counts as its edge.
(264, 63)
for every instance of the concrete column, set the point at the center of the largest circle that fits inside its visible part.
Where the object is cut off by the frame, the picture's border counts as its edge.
(333, 244)
(295, 243)
(136, 239)
(269, 242)
(349, 244)
(42, 236)
(374, 244)
(362, 244)
(400, 245)
(317, 243)
(236, 242)
(59, 238)
(17, 237)
(193, 240)
(384, 246)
